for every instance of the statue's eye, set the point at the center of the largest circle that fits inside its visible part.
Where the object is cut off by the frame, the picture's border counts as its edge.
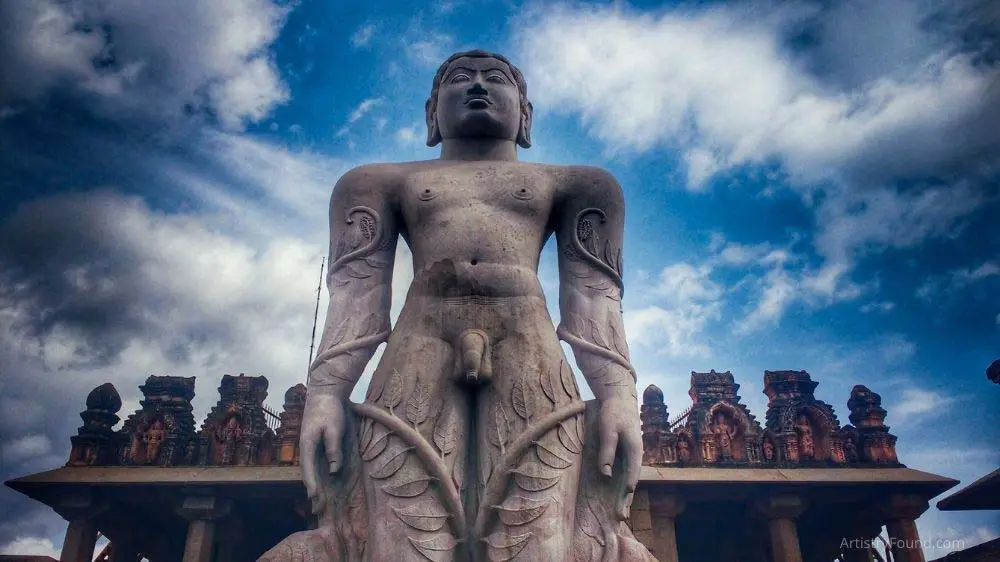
(496, 78)
(459, 78)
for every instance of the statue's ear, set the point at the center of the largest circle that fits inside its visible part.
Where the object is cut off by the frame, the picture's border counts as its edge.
(433, 134)
(524, 132)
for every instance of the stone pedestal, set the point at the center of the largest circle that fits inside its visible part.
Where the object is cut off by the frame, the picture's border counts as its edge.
(640, 519)
(202, 513)
(664, 510)
(781, 512)
(901, 513)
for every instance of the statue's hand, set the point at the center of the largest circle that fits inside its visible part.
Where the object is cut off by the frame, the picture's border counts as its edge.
(323, 423)
(619, 429)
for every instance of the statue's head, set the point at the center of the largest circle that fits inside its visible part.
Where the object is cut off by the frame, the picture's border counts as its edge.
(478, 94)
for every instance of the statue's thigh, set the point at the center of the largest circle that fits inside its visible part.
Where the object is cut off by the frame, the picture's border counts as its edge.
(412, 444)
(529, 450)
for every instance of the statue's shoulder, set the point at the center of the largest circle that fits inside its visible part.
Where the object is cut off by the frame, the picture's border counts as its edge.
(385, 178)
(589, 183)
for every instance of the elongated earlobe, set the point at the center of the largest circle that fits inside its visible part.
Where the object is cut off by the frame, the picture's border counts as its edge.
(524, 131)
(433, 134)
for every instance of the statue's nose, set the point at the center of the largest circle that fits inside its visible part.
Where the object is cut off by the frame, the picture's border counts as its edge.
(477, 89)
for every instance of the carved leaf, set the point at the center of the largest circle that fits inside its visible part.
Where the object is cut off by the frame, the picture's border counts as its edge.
(595, 332)
(366, 433)
(393, 390)
(485, 468)
(545, 381)
(588, 523)
(391, 465)
(377, 443)
(500, 433)
(437, 548)
(519, 510)
(551, 458)
(369, 326)
(375, 389)
(580, 427)
(340, 332)
(376, 263)
(575, 324)
(367, 226)
(458, 472)
(522, 401)
(502, 546)
(583, 551)
(566, 378)
(444, 432)
(424, 516)
(568, 436)
(619, 342)
(410, 489)
(356, 273)
(419, 403)
(534, 478)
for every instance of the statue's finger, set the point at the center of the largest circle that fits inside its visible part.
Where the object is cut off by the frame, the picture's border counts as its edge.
(307, 452)
(633, 461)
(606, 454)
(331, 442)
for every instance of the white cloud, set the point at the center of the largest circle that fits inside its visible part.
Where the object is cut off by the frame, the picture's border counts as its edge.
(917, 403)
(17, 450)
(167, 57)
(778, 292)
(685, 300)
(363, 108)
(363, 35)
(428, 49)
(877, 306)
(408, 135)
(719, 84)
(31, 546)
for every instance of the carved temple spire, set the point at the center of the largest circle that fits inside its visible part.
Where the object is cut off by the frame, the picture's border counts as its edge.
(875, 444)
(94, 442)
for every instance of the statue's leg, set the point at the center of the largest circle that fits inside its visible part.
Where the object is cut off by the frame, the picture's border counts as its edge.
(412, 443)
(530, 440)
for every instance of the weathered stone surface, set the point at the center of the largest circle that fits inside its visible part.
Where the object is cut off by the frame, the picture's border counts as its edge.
(473, 442)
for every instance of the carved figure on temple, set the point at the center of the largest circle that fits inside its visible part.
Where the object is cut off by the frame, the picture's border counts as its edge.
(154, 440)
(723, 436)
(229, 436)
(850, 451)
(683, 451)
(807, 448)
(137, 448)
(473, 441)
(768, 450)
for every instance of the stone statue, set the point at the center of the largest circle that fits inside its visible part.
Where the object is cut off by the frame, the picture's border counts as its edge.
(229, 437)
(154, 439)
(723, 436)
(473, 442)
(807, 449)
(683, 451)
(768, 450)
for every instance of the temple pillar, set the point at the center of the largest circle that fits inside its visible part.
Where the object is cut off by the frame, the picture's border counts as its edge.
(80, 509)
(201, 513)
(781, 512)
(901, 513)
(664, 510)
(641, 520)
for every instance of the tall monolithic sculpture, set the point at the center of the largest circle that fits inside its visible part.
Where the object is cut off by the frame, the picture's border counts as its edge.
(473, 442)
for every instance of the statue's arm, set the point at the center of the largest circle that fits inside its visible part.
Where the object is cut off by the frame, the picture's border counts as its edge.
(363, 234)
(589, 231)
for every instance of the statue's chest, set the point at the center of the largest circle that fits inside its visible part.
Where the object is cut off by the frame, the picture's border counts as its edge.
(488, 191)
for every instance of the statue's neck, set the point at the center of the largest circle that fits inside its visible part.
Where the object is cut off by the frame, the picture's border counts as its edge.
(478, 149)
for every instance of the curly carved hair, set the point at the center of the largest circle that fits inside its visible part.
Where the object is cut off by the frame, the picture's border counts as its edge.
(430, 108)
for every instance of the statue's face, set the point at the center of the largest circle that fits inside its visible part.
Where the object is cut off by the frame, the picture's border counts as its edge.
(478, 98)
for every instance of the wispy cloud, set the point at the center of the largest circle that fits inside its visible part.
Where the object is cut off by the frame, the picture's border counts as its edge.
(363, 35)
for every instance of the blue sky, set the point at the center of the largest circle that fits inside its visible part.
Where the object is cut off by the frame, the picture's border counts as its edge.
(810, 185)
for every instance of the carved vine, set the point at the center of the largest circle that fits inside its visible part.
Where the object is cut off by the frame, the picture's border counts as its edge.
(586, 247)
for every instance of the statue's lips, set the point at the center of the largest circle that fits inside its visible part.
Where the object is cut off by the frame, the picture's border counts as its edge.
(478, 103)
